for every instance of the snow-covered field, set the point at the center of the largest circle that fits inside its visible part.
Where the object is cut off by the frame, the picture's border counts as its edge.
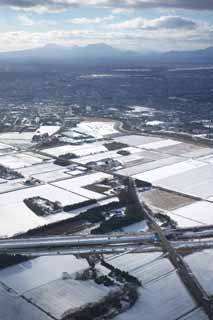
(14, 307)
(39, 168)
(146, 267)
(49, 192)
(134, 152)
(60, 297)
(197, 182)
(77, 184)
(97, 129)
(159, 144)
(165, 298)
(201, 266)
(80, 150)
(16, 217)
(40, 281)
(6, 186)
(19, 160)
(4, 146)
(50, 130)
(169, 170)
(200, 211)
(52, 175)
(150, 163)
(40, 271)
(137, 140)
(17, 139)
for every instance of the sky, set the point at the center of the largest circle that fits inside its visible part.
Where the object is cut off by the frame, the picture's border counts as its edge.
(139, 25)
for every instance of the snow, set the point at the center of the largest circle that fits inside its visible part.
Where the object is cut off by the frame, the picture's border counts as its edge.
(136, 140)
(135, 227)
(146, 267)
(166, 298)
(39, 168)
(11, 185)
(40, 271)
(4, 146)
(16, 136)
(15, 307)
(52, 176)
(183, 222)
(49, 192)
(17, 218)
(97, 129)
(60, 297)
(47, 129)
(197, 314)
(76, 184)
(97, 157)
(201, 266)
(197, 182)
(169, 170)
(18, 160)
(78, 150)
(159, 144)
(22, 140)
(154, 123)
(201, 212)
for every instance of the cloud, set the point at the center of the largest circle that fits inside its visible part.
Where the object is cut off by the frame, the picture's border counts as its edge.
(164, 22)
(88, 21)
(25, 20)
(194, 38)
(60, 5)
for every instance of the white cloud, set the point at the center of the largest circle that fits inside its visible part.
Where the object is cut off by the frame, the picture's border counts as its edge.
(96, 20)
(25, 20)
(199, 37)
(164, 22)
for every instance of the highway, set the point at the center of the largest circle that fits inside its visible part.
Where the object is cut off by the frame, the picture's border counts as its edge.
(184, 240)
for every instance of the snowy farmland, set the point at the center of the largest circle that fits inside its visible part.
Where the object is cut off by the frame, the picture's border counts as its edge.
(62, 297)
(169, 170)
(16, 217)
(19, 160)
(200, 212)
(78, 150)
(40, 271)
(158, 276)
(78, 184)
(97, 129)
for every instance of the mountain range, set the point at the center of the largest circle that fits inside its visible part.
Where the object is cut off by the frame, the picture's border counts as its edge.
(103, 54)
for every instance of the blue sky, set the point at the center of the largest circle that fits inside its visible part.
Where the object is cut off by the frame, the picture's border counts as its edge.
(141, 25)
